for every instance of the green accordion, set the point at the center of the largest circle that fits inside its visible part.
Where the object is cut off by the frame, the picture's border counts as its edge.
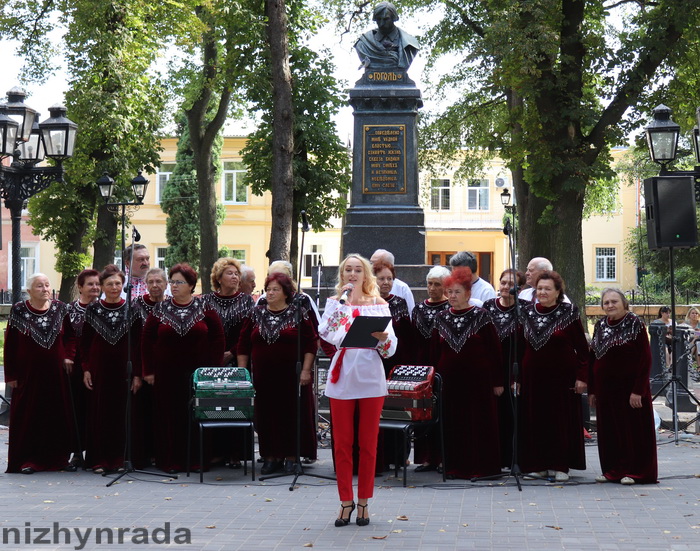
(222, 393)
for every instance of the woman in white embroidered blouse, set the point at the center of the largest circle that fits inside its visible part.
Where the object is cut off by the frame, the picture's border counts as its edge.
(356, 381)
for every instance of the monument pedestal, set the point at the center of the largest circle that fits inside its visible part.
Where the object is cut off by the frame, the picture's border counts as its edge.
(384, 211)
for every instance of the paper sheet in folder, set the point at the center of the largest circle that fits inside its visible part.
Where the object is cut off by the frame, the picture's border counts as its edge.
(360, 334)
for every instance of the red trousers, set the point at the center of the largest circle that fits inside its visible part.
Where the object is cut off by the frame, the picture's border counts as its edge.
(342, 417)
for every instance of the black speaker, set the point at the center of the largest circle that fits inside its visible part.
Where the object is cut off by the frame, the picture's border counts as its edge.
(670, 208)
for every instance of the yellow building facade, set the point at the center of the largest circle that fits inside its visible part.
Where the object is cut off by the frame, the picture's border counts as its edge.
(459, 215)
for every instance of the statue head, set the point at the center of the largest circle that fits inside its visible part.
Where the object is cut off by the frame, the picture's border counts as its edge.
(385, 15)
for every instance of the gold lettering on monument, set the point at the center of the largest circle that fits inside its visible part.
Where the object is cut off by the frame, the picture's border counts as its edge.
(384, 163)
(384, 76)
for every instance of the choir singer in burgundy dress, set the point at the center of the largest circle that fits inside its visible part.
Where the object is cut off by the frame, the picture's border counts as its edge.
(554, 375)
(467, 354)
(269, 338)
(181, 334)
(34, 363)
(620, 364)
(104, 345)
(356, 381)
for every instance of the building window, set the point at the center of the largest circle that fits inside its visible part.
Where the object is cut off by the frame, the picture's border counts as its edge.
(605, 269)
(118, 258)
(162, 176)
(311, 261)
(439, 258)
(160, 257)
(440, 194)
(235, 190)
(29, 263)
(478, 195)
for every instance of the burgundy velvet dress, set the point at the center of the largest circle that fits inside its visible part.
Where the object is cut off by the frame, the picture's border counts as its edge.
(556, 355)
(269, 339)
(506, 324)
(233, 311)
(620, 366)
(401, 322)
(426, 448)
(40, 427)
(103, 349)
(176, 340)
(76, 317)
(467, 354)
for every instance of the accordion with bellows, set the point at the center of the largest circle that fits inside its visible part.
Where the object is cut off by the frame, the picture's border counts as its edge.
(222, 393)
(410, 395)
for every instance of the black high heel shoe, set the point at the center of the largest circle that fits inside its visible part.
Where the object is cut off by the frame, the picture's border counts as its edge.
(341, 520)
(362, 520)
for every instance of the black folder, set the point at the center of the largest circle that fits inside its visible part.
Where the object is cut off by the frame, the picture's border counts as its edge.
(360, 334)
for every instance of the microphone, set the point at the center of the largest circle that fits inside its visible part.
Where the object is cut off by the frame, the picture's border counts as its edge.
(346, 294)
(304, 221)
(137, 235)
(319, 262)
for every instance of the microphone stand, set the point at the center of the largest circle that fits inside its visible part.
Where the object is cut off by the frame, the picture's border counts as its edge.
(514, 371)
(298, 467)
(128, 465)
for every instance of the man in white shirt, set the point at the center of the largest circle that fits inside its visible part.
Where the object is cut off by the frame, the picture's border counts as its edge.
(400, 288)
(482, 290)
(535, 267)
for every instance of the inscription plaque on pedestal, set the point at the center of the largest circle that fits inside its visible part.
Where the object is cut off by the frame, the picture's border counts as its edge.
(384, 159)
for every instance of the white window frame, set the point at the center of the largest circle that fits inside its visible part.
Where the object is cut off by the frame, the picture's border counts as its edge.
(440, 192)
(477, 193)
(165, 174)
(160, 259)
(311, 258)
(604, 261)
(234, 172)
(28, 245)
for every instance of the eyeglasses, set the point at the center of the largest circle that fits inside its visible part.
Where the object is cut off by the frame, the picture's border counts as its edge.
(177, 282)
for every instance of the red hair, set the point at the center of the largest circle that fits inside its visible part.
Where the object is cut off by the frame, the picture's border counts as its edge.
(380, 265)
(461, 275)
(284, 281)
(187, 272)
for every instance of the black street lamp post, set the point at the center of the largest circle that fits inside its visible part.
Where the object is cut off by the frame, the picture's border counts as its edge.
(139, 184)
(28, 142)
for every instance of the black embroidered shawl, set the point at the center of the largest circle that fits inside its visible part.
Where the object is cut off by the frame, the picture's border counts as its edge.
(181, 318)
(110, 322)
(232, 310)
(457, 328)
(503, 318)
(141, 309)
(539, 327)
(424, 315)
(271, 324)
(398, 307)
(76, 314)
(42, 328)
(607, 334)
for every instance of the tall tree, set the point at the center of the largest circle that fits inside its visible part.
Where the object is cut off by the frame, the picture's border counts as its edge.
(118, 107)
(549, 86)
(282, 130)
(321, 162)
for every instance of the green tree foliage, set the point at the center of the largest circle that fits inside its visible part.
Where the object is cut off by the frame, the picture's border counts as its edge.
(321, 163)
(110, 48)
(549, 86)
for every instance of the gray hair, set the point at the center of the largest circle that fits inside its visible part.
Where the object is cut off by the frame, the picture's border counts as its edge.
(437, 272)
(32, 278)
(281, 266)
(157, 272)
(464, 258)
(542, 263)
(246, 271)
(385, 255)
(625, 302)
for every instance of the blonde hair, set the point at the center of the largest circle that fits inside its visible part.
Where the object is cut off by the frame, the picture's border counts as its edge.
(690, 310)
(369, 284)
(218, 269)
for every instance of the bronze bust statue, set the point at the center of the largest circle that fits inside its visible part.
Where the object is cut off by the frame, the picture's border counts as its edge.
(387, 46)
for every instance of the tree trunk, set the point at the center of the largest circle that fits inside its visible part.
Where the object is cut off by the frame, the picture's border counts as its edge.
(283, 128)
(209, 236)
(104, 245)
(67, 290)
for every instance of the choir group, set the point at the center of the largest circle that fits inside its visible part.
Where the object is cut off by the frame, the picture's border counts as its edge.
(67, 365)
